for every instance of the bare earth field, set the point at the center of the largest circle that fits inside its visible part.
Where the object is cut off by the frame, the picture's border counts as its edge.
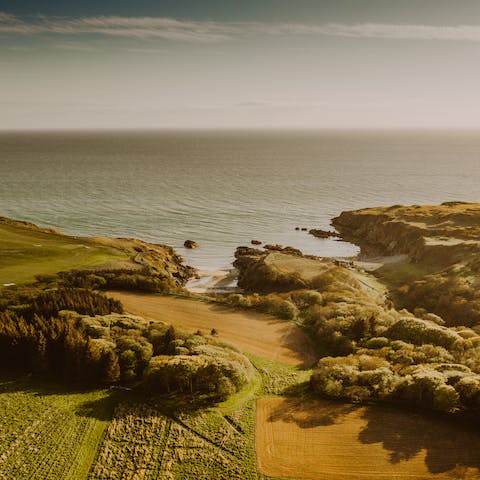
(321, 440)
(252, 332)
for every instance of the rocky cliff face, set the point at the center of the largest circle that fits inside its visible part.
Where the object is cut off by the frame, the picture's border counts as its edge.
(161, 260)
(443, 233)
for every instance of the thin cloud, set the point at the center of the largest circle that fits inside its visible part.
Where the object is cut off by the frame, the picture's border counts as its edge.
(6, 17)
(209, 31)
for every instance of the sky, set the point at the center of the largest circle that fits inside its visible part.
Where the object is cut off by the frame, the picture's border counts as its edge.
(198, 64)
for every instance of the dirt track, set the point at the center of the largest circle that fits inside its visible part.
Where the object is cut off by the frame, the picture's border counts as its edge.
(252, 332)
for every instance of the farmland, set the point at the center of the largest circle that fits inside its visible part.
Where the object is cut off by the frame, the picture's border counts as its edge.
(168, 439)
(334, 441)
(59, 434)
(52, 433)
(143, 442)
(49, 433)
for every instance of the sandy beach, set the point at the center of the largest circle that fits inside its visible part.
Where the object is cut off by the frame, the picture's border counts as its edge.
(221, 281)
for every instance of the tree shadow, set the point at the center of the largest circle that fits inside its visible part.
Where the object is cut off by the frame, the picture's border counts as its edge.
(102, 408)
(448, 444)
(301, 389)
(309, 413)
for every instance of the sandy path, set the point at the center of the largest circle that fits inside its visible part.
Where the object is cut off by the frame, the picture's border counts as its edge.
(252, 332)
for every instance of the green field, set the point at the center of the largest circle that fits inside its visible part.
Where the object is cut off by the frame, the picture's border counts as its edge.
(306, 268)
(48, 432)
(397, 274)
(26, 252)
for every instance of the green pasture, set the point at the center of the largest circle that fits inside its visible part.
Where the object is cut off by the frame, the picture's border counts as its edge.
(48, 432)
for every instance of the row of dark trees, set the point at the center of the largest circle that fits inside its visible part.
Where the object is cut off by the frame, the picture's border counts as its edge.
(57, 346)
(48, 303)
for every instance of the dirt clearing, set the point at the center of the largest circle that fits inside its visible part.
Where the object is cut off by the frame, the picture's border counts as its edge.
(262, 335)
(321, 440)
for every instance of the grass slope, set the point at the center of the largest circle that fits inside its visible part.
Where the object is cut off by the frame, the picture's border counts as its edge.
(26, 252)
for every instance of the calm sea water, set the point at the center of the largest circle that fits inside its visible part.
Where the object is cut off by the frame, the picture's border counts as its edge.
(223, 189)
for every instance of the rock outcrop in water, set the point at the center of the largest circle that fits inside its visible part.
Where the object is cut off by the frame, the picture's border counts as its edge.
(190, 244)
(319, 233)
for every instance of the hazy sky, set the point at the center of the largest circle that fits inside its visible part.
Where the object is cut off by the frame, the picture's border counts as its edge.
(239, 63)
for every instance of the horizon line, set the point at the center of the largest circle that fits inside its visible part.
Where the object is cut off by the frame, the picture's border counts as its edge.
(240, 129)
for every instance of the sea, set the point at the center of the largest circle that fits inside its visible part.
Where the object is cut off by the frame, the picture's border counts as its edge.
(224, 188)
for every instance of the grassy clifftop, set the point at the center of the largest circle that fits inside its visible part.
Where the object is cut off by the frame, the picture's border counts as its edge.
(27, 251)
(439, 233)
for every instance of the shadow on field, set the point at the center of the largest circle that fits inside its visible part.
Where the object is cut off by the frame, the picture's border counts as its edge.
(310, 413)
(448, 445)
(169, 405)
(102, 408)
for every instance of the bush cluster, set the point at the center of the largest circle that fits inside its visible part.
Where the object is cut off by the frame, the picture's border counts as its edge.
(374, 375)
(200, 367)
(373, 352)
(448, 294)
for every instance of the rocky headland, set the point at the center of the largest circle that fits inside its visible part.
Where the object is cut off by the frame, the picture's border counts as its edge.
(442, 234)
(441, 272)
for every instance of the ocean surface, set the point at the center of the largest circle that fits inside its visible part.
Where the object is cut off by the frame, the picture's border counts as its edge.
(223, 189)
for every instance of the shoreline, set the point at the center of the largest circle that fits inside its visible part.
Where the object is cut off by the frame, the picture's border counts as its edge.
(225, 280)
(219, 281)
